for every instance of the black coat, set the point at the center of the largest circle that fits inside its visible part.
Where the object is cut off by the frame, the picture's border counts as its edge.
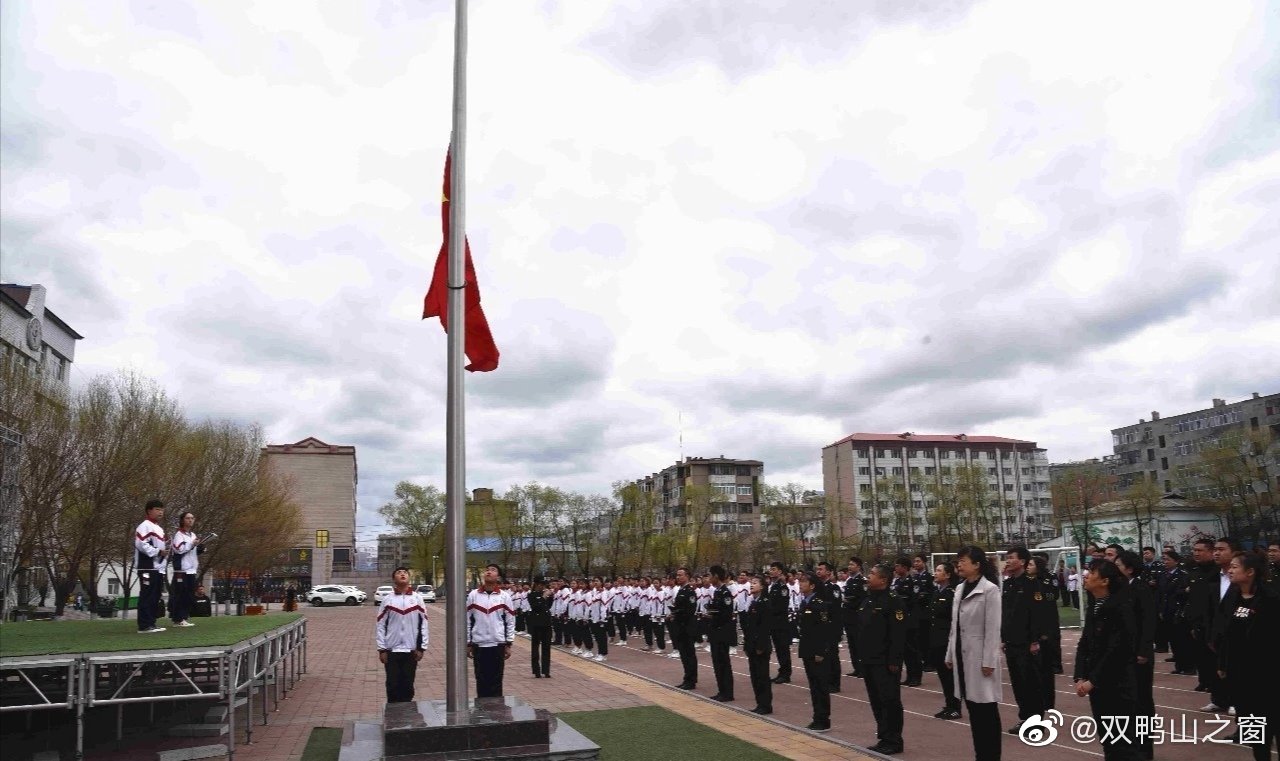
(1202, 598)
(855, 591)
(1106, 655)
(719, 612)
(1246, 640)
(940, 607)
(539, 613)
(1022, 617)
(683, 608)
(757, 621)
(882, 629)
(778, 600)
(816, 627)
(1144, 618)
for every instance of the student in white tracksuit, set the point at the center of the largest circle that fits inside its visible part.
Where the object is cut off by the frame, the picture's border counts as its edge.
(401, 636)
(491, 628)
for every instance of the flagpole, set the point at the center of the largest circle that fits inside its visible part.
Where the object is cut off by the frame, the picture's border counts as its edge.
(455, 428)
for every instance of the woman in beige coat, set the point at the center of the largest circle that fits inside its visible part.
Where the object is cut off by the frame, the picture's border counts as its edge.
(973, 650)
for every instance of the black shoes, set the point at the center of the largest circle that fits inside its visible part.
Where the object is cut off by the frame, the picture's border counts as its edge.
(818, 726)
(685, 686)
(851, 673)
(910, 683)
(887, 749)
(947, 714)
(1014, 729)
(762, 711)
(537, 676)
(722, 698)
(780, 679)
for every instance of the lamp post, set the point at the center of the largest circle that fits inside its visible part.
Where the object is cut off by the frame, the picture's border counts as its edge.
(434, 558)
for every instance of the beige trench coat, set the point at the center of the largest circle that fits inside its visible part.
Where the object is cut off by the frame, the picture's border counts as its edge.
(978, 616)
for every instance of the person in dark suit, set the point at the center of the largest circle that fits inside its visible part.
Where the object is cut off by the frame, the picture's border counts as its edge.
(778, 600)
(1203, 596)
(721, 633)
(814, 621)
(1105, 660)
(941, 601)
(882, 638)
(1248, 659)
(681, 626)
(832, 593)
(538, 622)
(757, 643)
(1143, 605)
(855, 589)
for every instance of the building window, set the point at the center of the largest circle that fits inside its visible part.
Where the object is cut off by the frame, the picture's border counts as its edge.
(886, 453)
(916, 504)
(864, 471)
(946, 470)
(744, 490)
(991, 472)
(1007, 471)
(929, 471)
(1008, 487)
(1026, 471)
(1026, 487)
(897, 471)
(861, 454)
(113, 586)
(880, 472)
(864, 488)
(946, 455)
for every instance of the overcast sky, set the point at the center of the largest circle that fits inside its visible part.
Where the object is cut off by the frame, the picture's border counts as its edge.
(782, 221)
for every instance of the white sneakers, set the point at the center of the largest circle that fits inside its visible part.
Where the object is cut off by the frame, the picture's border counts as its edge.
(152, 630)
(1211, 707)
(599, 659)
(586, 654)
(733, 651)
(1231, 711)
(576, 651)
(184, 623)
(673, 654)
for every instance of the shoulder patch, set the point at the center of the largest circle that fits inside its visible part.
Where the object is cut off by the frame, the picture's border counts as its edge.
(1039, 597)
(899, 615)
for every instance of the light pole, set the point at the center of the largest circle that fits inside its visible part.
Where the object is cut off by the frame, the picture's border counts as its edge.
(434, 558)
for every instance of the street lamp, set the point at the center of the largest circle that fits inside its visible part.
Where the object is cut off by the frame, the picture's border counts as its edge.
(433, 569)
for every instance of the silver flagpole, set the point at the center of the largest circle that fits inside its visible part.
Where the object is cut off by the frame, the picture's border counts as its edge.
(455, 427)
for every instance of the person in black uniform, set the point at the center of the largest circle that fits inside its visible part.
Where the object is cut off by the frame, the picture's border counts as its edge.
(1171, 604)
(778, 600)
(941, 603)
(721, 633)
(1143, 605)
(1045, 606)
(906, 589)
(832, 593)
(882, 638)
(855, 590)
(757, 642)
(922, 580)
(538, 622)
(1202, 601)
(683, 608)
(814, 620)
(1105, 660)
(1021, 636)
(1248, 659)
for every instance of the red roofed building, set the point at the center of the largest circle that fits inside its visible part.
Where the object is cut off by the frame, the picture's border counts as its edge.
(856, 469)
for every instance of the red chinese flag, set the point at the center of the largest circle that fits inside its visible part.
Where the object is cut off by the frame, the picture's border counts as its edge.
(480, 348)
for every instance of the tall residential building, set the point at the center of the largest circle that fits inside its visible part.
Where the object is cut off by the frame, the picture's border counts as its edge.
(32, 336)
(857, 468)
(1166, 451)
(734, 486)
(322, 479)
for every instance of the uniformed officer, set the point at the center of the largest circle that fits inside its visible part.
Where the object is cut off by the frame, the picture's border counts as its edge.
(1171, 603)
(778, 599)
(683, 608)
(855, 590)
(1143, 607)
(1045, 604)
(905, 588)
(831, 592)
(538, 621)
(1021, 630)
(722, 634)
(882, 639)
(814, 621)
(942, 597)
(1106, 657)
(922, 580)
(757, 643)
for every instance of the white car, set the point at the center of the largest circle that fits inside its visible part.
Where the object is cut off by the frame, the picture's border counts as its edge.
(382, 592)
(428, 592)
(333, 594)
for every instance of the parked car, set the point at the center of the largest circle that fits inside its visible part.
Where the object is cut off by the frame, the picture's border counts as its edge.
(332, 594)
(382, 592)
(428, 592)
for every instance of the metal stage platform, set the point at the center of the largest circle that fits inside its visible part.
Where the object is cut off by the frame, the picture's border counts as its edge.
(261, 666)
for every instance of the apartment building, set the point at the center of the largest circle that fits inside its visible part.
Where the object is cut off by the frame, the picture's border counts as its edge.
(857, 469)
(1166, 450)
(734, 486)
(322, 479)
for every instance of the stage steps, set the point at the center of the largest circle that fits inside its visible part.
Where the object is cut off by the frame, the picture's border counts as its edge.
(213, 724)
(193, 754)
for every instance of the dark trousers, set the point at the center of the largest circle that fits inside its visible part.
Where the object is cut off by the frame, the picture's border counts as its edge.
(911, 655)
(1258, 700)
(1024, 676)
(723, 670)
(608, 625)
(520, 622)
(760, 683)
(922, 642)
(1051, 655)
(832, 662)
(885, 695)
(984, 727)
(1119, 746)
(557, 631)
(1207, 667)
(601, 637)
(1144, 678)
(1182, 647)
(581, 634)
(938, 659)
(782, 646)
(850, 636)
(682, 640)
(182, 593)
(541, 649)
(151, 583)
(488, 665)
(819, 678)
(654, 630)
(401, 668)
(1048, 697)
(620, 623)
(1162, 634)
(633, 621)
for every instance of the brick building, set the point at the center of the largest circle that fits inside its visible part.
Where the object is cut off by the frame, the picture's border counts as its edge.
(322, 479)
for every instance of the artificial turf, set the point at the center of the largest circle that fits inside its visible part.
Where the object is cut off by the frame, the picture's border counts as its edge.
(324, 744)
(29, 638)
(652, 733)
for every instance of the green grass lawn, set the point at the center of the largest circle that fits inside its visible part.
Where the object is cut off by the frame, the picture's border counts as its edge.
(1068, 616)
(100, 636)
(648, 733)
(324, 744)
